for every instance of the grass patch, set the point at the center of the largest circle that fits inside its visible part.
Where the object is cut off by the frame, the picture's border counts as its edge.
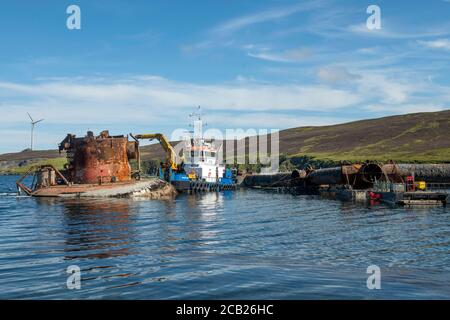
(58, 163)
(434, 156)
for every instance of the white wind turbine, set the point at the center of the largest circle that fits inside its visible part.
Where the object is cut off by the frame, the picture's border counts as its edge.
(33, 123)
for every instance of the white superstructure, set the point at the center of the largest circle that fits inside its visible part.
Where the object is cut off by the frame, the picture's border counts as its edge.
(202, 157)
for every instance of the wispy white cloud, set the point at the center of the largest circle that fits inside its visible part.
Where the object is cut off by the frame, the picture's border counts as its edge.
(267, 120)
(369, 50)
(113, 100)
(387, 89)
(272, 14)
(292, 55)
(347, 21)
(133, 103)
(226, 34)
(156, 92)
(389, 32)
(436, 44)
(406, 108)
(336, 74)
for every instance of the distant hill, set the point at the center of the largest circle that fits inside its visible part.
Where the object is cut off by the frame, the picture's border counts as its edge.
(417, 137)
(20, 162)
(28, 154)
(412, 137)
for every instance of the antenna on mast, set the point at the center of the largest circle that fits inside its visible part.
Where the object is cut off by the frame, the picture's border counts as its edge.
(198, 123)
(198, 114)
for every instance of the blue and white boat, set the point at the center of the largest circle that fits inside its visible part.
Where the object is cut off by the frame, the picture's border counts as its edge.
(201, 168)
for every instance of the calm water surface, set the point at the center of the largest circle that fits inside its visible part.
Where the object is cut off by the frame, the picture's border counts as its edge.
(232, 245)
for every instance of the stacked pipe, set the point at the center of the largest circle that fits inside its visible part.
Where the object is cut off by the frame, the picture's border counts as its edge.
(357, 175)
(433, 173)
(268, 180)
(362, 176)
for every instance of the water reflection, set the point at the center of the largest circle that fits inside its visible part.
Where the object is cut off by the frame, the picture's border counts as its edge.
(97, 229)
(189, 224)
(203, 222)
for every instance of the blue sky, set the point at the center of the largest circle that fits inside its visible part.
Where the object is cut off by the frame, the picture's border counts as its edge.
(143, 66)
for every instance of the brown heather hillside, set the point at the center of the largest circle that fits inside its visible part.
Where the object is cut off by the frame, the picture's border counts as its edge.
(423, 137)
(28, 154)
(418, 137)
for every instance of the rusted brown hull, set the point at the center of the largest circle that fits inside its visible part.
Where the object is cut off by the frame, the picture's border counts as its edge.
(100, 159)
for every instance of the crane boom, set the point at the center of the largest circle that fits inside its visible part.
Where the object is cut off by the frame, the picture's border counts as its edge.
(171, 155)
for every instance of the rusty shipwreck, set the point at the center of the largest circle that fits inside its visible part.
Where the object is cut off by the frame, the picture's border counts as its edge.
(97, 166)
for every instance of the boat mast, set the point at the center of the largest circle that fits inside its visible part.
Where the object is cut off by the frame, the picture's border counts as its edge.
(197, 124)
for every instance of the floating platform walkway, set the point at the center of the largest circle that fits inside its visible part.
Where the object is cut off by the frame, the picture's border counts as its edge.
(415, 198)
(202, 186)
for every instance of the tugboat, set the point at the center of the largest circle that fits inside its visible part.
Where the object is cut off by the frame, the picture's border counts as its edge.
(198, 169)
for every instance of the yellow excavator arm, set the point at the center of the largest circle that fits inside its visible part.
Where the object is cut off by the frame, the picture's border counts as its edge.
(171, 155)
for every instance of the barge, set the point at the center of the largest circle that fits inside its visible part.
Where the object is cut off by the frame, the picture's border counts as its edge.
(97, 166)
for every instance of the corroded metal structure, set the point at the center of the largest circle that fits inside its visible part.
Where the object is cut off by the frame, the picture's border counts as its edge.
(438, 173)
(98, 159)
(359, 176)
